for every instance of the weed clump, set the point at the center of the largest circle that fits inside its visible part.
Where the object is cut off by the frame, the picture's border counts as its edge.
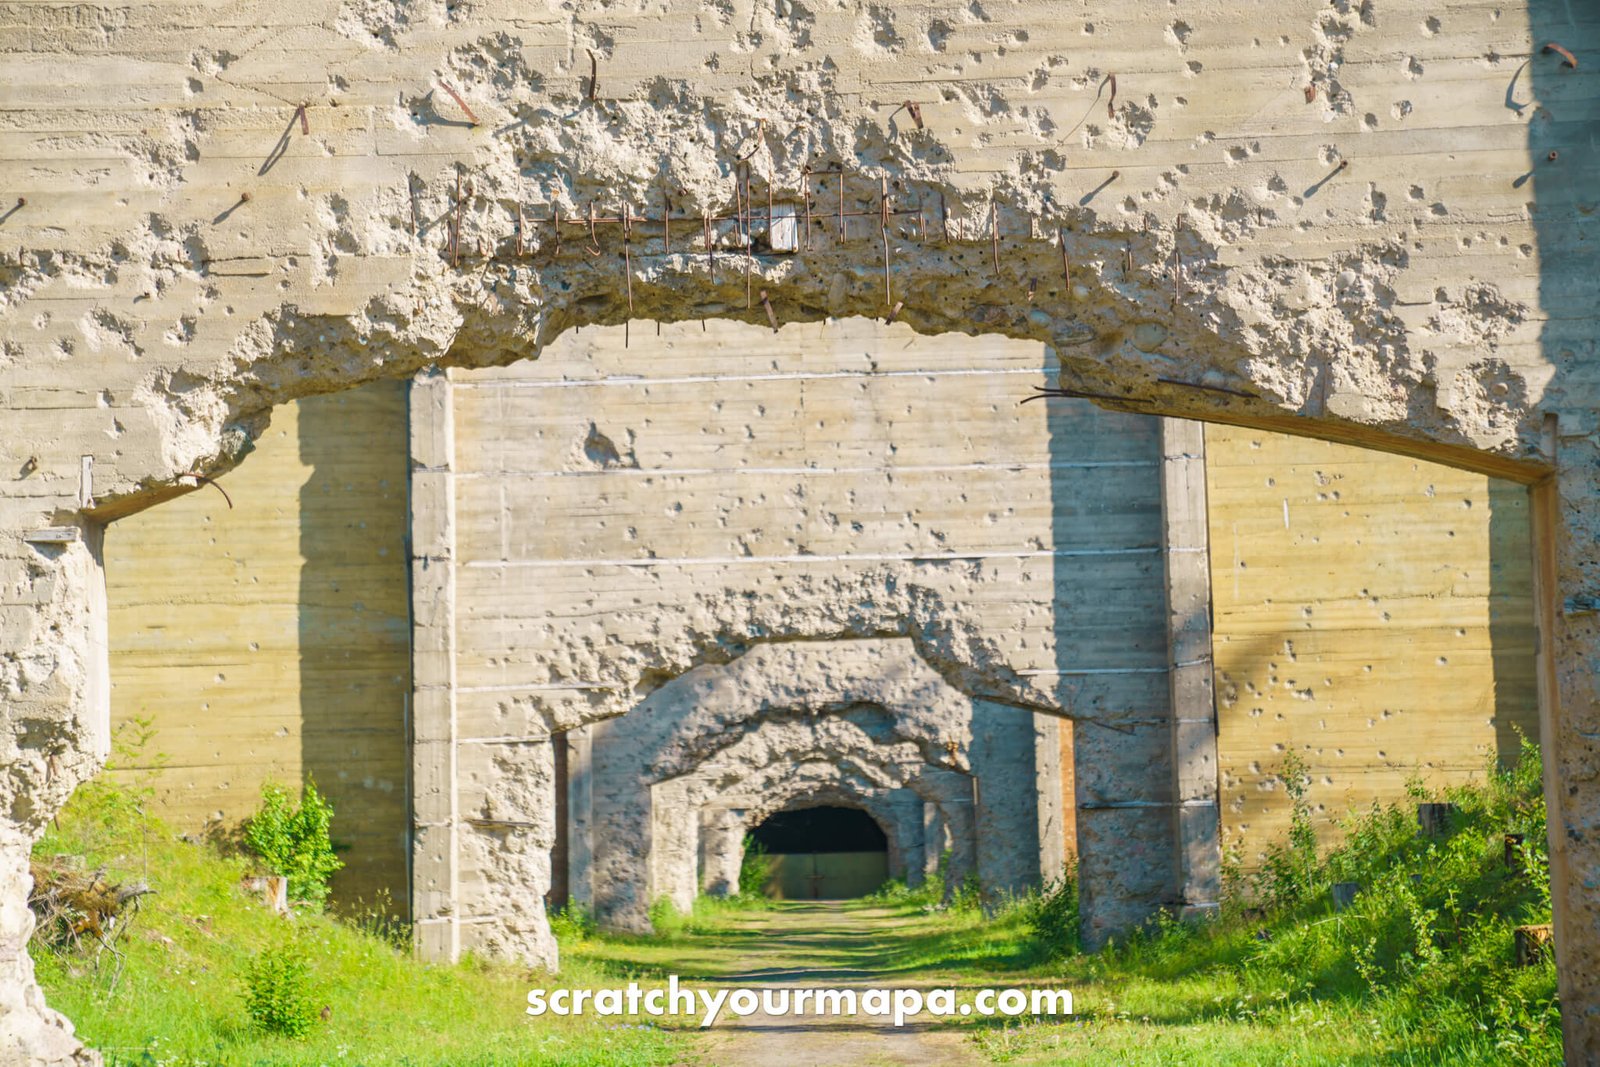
(293, 841)
(280, 996)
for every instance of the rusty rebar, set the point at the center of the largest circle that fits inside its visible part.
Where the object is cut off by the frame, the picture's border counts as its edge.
(462, 104)
(883, 230)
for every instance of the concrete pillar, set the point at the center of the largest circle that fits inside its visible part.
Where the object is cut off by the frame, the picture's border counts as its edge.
(1047, 730)
(1006, 801)
(435, 826)
(1196, 814)
(721, 850)
(580, 817)
(933, 834)
(906, 857)
(505, 789)
(959, 822)
(674, 845)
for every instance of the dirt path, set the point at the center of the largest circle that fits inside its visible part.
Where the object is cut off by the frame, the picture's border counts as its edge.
(825, 944)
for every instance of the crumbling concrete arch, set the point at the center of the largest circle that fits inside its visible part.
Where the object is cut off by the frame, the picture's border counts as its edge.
(873, 701)
(752, 789)
(1301, 283)
(884, 688)
(900, 806)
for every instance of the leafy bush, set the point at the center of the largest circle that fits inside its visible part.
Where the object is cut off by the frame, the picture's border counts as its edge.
(665, 918)
(280, 996)
(754, 869)
(293, 841)
(1052, 916)
(1289, 870)
(572, 923)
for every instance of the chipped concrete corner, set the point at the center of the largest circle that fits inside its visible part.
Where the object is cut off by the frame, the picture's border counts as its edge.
(1348, 221)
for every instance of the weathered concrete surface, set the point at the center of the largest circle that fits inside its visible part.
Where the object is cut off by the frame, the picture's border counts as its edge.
(1437, 294)
(1374, 616)
(768, 727)
(265, 636)
(613, 517)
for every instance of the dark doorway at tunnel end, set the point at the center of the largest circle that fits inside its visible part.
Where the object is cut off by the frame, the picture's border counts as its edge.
(822, 853)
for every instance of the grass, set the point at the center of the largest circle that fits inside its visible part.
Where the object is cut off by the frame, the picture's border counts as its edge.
(177, 998)
(1417, 970)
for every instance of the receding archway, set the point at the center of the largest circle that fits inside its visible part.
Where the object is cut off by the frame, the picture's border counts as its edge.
(1298, 290)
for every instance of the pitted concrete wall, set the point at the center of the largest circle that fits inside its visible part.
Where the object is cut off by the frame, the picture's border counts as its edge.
(1374, 616)
(1437, 294)
(838, 484)
(270, 639)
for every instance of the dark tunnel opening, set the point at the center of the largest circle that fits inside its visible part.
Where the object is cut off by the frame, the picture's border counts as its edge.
(823, 853)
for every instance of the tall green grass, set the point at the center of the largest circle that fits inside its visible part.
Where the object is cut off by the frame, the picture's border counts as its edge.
(1420, 968)
(178, 996)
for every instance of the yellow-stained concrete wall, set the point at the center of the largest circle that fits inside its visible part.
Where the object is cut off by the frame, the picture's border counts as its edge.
(271, 641)
(1372, 613)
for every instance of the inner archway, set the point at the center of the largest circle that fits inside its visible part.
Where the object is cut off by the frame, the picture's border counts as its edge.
(1324, 309)
(827, 852)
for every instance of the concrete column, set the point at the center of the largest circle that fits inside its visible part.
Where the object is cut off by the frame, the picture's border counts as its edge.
(1048, 803)
(906, 857)
(435, 819)
(505, 789)
(933, 838)
(1196, 815)
(1007, 818)
(721, 850)
(674, 845)
(959, 820)
(580, 817)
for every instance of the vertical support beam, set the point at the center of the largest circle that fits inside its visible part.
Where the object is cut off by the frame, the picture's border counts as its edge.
(435, 820)
(560, 863)
(580, 816)
(721, 850)
(906, 855)
(1544, 499)
(933, 832)
(1187, 559)
(1047, 787)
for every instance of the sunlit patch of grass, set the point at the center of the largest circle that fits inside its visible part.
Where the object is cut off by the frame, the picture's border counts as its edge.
(177, 998)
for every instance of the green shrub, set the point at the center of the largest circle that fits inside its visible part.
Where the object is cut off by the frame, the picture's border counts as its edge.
(293, 841)
(280, 996)
(572, 923)
(1290, 870)
(754, 869)
(1052, 916)
(665, 918)
(968, 896)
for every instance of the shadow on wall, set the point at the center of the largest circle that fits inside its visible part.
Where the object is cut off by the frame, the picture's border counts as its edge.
(1116, 772)
(1512, 637)
(355, 632)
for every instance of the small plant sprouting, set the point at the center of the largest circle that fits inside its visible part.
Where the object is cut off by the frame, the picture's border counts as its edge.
(293, 841)
(280, 995)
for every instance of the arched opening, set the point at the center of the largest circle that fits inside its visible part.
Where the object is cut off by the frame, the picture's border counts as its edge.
(827, 852)
(1302, 296)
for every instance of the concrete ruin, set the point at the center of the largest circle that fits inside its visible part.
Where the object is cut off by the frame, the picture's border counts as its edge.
(757, 554)
(1362, 223)
(872, 710)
